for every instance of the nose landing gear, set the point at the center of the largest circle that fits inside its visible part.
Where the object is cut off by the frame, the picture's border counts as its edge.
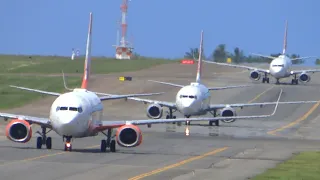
(67, 145)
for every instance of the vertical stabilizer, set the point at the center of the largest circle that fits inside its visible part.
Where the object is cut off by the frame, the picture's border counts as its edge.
(285, 39)
(199, 70)
(87, 64)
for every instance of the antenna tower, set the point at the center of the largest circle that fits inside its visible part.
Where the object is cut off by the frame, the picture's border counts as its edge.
(123, 50)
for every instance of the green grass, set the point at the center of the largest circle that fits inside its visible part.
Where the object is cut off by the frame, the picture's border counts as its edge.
(12, 97)
(54, 64)
(304, 166)
(12, 66)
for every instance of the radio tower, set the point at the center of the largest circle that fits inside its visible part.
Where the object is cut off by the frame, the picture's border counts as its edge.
(123, 50)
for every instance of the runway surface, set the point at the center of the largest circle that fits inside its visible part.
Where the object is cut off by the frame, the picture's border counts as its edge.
(232, 151)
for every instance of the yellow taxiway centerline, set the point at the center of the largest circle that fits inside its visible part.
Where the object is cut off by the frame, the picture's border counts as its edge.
(178, 164)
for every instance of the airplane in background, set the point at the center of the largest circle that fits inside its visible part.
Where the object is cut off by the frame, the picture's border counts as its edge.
(194, 100)
(79, 114)
(280, 67)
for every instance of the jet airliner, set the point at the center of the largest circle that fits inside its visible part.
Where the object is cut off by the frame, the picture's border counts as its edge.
(280, 67)
(194, 100)
(79, 114)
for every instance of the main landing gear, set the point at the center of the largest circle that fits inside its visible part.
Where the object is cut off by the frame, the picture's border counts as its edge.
(171, 116)
(216, 123)
(295, 80)
(265, 78)
(44, 140)
(109, 143)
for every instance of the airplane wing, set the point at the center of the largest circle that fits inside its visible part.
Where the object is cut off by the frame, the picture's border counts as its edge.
(171, 84)
(161, 103)
(238, 66)
(103, 98)
(221, 106)
(304, 71)
(103, 125)
(36, 120)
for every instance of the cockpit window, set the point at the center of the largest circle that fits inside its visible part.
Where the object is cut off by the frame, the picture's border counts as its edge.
(73, 109)
(190, 96)
(79, 109)
(278, 65)
(63, 108)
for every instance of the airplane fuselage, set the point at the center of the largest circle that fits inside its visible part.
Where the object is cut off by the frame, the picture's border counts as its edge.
(193, 100)
(74, 113)
(280, 67)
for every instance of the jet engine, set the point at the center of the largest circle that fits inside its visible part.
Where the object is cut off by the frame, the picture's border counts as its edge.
(19, 131)
(129, 136)
(227, 112)
(255, 75)
(303, 77)
(154, 111)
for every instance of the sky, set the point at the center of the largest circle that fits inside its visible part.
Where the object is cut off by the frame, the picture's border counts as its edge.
(159, 28)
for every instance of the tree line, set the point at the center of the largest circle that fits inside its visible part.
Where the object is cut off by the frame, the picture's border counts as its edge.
(220, 54)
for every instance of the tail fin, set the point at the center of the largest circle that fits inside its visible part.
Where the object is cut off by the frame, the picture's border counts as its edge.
(87, 65)
(199, 70)
(285, 39)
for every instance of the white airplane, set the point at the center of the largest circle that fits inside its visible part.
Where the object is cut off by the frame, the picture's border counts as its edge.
(194, 100)
(280, 67)
(79, 114)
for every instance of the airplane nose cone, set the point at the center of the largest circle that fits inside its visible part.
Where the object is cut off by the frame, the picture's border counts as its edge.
(187, 106)
(66, 123)
(277, 71)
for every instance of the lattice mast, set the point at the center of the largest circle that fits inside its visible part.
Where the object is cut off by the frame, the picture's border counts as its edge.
(123, 50)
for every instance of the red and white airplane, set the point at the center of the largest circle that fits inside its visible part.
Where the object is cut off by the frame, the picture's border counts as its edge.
(78, 114)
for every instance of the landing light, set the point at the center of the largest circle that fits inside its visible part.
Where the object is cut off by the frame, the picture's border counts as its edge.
(68, 145)
(187, 131)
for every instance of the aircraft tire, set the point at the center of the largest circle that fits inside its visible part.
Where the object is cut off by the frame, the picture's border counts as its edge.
(39, 142)
(103, 146)
(113, 146)
(48, 142)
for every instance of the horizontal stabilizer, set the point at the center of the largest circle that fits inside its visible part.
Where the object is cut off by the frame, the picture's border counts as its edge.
(299, 58)
(228, 87)
(111, 96)
(171, 84)
(37, 90)
(265, 56)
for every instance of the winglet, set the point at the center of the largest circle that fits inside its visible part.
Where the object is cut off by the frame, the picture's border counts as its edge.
(199, 70)
(285, 39)
(65, 83)
(87, 64)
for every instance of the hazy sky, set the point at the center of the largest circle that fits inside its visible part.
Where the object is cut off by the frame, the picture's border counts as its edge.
(161, 28)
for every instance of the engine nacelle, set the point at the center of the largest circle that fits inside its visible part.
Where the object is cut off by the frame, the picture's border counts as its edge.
(303, 77)
(255, 75)
(19, 131)
(227, 112)
(129, 136)
(154, 111)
